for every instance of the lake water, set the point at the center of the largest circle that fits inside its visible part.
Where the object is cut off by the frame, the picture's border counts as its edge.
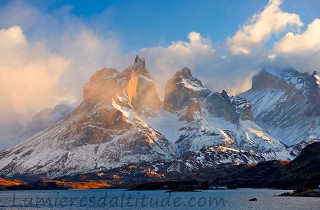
(122, 199)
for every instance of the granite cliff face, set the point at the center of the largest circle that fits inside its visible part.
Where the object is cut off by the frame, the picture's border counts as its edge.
(180, 89)
(135, 82)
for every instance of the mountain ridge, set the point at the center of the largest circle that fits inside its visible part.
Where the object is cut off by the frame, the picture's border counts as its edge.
(122, 121)
(286, 103)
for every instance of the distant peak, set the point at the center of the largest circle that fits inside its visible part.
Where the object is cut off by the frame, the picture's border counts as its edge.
(285, 78)
(271, 71)
(186, 72)
(279, 72)
(226, 95)
(266, 78)
(139, 62)
(138, 68)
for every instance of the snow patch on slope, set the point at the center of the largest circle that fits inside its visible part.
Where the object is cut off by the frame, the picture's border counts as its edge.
(192, 85)
(317, 79)
(264, 100)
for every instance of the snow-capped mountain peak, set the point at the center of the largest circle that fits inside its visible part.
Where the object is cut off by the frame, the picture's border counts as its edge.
(286, 103)
(181, 88)
(317, 77)
(212, 119)
(122, 121)
(185, 78)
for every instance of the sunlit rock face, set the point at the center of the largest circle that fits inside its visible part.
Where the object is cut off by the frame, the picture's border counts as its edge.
(135, 82)
(102, 86)
(287, 104)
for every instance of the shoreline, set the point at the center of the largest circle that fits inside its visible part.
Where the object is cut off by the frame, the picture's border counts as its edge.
(308, 193)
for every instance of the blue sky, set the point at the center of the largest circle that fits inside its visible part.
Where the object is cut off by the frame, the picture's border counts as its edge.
(148, 23)
(145, 23)
(49, 49)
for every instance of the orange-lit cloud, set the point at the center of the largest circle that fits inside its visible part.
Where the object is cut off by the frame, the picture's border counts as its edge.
(47, 58)
(33, 77)
(29, 76)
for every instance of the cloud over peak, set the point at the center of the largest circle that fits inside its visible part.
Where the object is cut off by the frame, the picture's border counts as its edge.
(164, 61)
(309, 40)
(261, 27)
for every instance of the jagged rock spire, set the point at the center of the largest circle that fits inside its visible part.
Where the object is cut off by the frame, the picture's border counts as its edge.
(181, 88)
(139, 62)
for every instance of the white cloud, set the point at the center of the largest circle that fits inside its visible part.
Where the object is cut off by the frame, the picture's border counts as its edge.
(34, 76)
(163, 62)
(299, 50)
(29, 76)
(199, 54)
(53, 57)
(309, 40)
(260, 27)
(87, 52)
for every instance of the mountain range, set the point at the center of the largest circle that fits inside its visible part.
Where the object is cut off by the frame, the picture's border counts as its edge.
(122, 121)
